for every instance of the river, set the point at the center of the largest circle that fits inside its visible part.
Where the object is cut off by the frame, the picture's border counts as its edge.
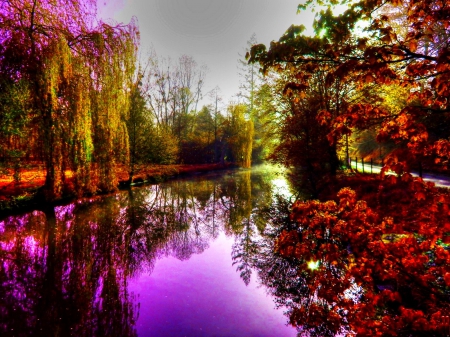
(178, 258)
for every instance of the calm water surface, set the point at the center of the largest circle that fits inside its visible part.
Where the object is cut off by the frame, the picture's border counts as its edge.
(180, 258)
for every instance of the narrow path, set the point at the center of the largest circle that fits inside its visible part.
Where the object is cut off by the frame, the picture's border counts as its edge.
(441, 180)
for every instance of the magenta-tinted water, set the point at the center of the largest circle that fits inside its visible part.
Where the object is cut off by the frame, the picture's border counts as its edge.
(180, 258)
(204, 296)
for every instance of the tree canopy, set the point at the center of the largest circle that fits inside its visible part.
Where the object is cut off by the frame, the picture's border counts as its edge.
(373, 262)
(364, 45)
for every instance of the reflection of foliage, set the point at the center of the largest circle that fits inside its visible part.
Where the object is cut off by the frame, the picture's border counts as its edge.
(382, 270)
(66, 270)
(61, 275)
(239, 202)
(247, 217)
(244, 251)
(279, 274)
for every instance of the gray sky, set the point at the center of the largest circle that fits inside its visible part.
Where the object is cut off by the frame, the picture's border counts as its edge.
(213, 32)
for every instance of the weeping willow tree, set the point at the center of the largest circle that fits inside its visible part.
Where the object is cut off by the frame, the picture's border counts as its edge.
(84, 110)
(77, 74)
(240, 135)
(113, 72)
(54, 84)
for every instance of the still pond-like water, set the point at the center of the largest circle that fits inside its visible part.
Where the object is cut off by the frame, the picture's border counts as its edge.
(188, 257)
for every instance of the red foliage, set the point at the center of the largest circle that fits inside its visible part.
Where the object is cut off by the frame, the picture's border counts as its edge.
(383, 265)
(384, 260)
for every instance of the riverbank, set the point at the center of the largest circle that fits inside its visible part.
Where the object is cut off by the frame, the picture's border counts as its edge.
(23, 195)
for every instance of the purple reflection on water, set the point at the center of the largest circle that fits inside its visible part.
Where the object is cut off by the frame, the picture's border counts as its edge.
(204, 296)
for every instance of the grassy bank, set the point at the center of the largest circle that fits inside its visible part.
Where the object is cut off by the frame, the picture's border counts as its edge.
(22, 195)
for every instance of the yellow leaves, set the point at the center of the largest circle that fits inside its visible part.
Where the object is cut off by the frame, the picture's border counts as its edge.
(392, 237)
(402, 119)
(395, 97)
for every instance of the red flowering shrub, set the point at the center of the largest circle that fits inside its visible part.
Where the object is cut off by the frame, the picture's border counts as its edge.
(373, 268)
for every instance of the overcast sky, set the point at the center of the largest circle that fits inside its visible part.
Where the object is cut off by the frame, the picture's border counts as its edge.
(213, 32)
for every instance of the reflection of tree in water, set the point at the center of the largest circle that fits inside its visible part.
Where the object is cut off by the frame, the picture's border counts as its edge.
(250, 194)
(278, 274)
(180, 217)
(61, 276)
(244, 251)
(65, 270)
(290, 286)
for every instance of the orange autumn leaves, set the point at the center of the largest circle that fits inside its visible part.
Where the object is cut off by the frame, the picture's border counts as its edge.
(383, 271)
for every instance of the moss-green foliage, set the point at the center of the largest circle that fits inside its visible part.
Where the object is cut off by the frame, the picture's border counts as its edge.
(54, 83)
(113, 72)
(239, 133)
(198, 148)
(162, 146)
(15, 118)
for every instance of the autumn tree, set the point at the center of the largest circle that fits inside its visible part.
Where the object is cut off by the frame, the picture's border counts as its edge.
(304, 144)
(314, 104)
(385, 55)
(77, 74)
(368, 267)
(373, 262)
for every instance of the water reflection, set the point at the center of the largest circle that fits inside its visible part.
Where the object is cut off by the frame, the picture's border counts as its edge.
(291, 288)
(65, 271)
